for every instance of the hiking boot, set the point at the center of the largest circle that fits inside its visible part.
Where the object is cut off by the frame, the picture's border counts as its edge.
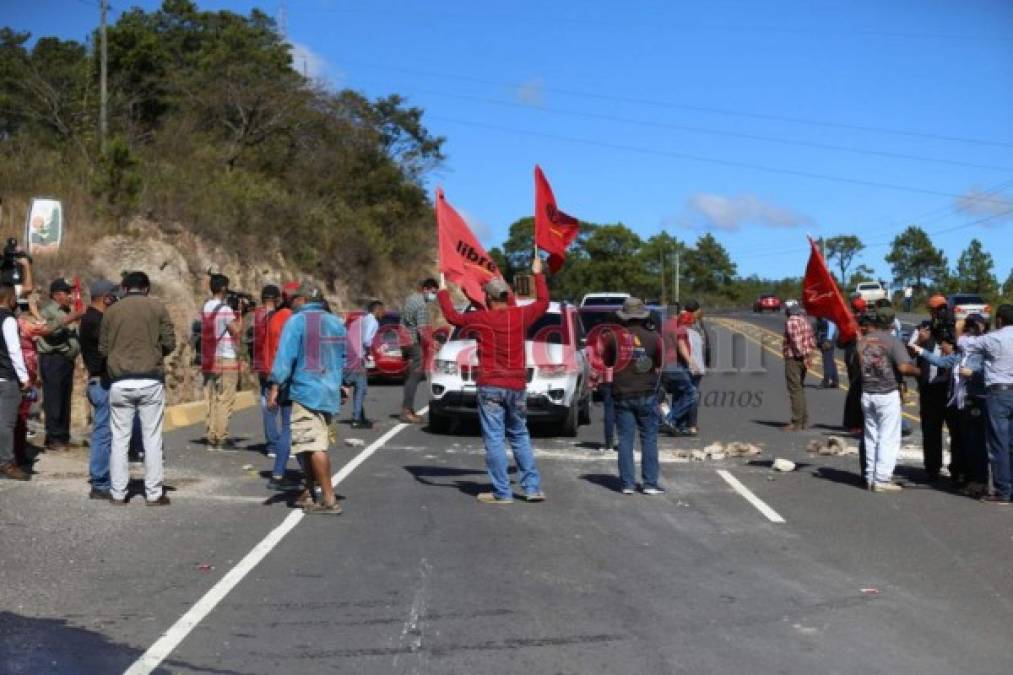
(490, 498)
(323, 509)
(161, 501)
(13, 472)
(100, 494)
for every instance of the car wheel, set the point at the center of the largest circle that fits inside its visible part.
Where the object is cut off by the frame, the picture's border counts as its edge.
(570, 425)
(438, 424)
(584, 416)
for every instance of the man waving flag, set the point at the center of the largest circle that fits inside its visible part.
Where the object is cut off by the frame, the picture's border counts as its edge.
(462, 259)
(554, 230)
(822, 298)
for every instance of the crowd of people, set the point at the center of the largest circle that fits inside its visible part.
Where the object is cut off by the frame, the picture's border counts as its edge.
(964, 374)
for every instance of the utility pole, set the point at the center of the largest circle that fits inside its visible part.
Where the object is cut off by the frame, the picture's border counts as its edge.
(675, 281)
(103, 115)
(664, 298)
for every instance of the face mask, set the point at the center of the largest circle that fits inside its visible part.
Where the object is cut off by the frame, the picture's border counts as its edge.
(430, 296)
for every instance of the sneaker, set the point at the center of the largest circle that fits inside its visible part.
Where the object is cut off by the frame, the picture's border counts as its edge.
(995, 499)
(654, 490)
(535, 496)
(361, 424)
(322, 509)
(100, 494)
(490, 498)
(161, 501)
(886, 487)
(271, 454)
(628, 491)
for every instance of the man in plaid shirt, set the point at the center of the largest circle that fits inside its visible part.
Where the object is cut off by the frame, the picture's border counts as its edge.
(798, 349)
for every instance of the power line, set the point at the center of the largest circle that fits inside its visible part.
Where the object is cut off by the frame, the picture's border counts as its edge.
(714, 132)
(708, 160)
(694, 108)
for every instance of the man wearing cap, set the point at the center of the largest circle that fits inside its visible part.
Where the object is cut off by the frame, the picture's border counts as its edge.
(103, 295)
(883, 359)
(635, 353)
(57, 353)
(135, 337)
(933, 390)
(500, 331)
(309, 363)
(798, 349)
(996, 349)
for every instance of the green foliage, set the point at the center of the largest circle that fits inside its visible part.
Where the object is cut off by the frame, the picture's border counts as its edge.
(843, 249)
(974, 270)
(915, 260)
(211, 126)
(1007, 287)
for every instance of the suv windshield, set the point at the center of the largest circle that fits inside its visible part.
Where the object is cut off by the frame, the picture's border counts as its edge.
(603, 300)
(869, 286)
(968, 300)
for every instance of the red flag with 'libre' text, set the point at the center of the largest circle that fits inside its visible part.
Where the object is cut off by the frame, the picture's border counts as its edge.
(823, 299)
(462, 259)
(554, 230)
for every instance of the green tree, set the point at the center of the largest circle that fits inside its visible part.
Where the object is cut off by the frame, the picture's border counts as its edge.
(657, 257)
(860, 274)
(1007, 287)
(709, 268)
(843, 249)
(974, 270)
(914, 259)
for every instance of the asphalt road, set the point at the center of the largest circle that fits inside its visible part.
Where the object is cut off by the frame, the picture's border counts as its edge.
(416, 577)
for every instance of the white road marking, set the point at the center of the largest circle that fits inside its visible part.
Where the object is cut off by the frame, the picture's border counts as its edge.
(761, 506)
(171, 638)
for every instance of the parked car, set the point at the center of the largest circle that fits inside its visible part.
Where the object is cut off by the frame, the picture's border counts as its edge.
(602, 299)
(871, 291)
(558, 388)
(385, 359)
(963, 305)
(768, 302)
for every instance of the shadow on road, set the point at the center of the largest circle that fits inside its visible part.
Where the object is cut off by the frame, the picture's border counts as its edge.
(839, 476)
(426, 474)
(606, 480)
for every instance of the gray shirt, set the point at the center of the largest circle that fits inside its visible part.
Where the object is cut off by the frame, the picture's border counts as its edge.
(415, 316)
(997, 350)
(880, 353)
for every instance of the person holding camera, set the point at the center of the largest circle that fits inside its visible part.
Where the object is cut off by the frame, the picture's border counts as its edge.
(103, 295)
(222, 329)
(135, 337)
(57, 354)
(14, 381)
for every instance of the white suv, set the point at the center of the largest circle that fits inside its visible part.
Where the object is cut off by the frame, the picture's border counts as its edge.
(871, 291)
(557, 371)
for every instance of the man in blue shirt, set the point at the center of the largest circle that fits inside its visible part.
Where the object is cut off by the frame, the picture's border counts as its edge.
(309, 362)
(361, 333)
(826, 337)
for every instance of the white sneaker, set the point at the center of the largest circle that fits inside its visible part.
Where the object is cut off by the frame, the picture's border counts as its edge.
(886, 487)
(654, 491)
(628, 491)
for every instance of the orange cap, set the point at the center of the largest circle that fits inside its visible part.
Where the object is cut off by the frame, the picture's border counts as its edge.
(859, 304)
(936, 301)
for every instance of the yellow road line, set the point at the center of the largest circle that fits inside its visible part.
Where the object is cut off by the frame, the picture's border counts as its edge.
(726, 324)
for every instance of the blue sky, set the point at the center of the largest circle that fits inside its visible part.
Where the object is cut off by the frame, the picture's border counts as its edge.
(687, 117)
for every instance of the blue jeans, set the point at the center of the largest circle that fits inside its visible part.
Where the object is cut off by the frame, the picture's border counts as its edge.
(101, 436)
(829, 367)
(679, 384)
(1000, 435)
(359, 381)
(503, 414)
(639, 413)
(610, 413)
(277, 431)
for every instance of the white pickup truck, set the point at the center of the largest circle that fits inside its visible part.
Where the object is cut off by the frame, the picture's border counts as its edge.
(871, 291)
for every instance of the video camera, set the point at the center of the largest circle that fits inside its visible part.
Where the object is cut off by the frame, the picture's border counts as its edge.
(944, 324)
(240, 302)
(10, 270)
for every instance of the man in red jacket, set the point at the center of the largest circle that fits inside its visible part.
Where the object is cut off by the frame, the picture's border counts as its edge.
(500, 332)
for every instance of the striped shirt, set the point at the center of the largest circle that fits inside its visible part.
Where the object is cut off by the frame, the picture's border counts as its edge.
(799, 338)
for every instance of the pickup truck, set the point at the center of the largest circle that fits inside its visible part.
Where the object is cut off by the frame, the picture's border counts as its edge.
(871, 291)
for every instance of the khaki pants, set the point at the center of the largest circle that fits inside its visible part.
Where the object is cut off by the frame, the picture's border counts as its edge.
(220, 393)
(794, 377)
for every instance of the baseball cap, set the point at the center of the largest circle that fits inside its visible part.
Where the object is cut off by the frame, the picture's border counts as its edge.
(100, 288)
(309, 290)
(859, 304)
(496, 288)
(60, 285)
(936, 301)
(633, 308)
(270, 292)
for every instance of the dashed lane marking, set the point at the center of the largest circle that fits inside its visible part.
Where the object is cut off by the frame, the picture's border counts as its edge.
(172, 638)
(761, 506)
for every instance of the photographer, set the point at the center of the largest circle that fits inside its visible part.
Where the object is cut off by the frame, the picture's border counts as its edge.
(57, 353)
(222, 329)
(13, 382)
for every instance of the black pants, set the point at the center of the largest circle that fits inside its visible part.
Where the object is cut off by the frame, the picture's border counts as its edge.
(416, 373)
(935, 413)
(57, 385)
(973, 433)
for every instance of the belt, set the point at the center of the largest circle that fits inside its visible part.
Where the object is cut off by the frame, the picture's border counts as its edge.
(999, 387)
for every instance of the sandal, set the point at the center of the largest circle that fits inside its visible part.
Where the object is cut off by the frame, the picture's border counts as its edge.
(323, 509)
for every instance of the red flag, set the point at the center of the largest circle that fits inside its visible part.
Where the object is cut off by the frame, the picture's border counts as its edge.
(78, 302)
(823, 299)
(554, 230)
(462, 259)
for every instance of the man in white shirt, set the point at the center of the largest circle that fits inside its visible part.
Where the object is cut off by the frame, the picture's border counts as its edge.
(13, 380)
(361, 333)
(221, 330)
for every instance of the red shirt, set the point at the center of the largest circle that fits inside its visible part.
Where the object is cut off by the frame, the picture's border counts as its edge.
(273, 335)
(500, 334)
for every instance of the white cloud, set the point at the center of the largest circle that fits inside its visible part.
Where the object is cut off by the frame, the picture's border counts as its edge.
(987, 204)
(531, 92)
(708, 211)
(308, 62)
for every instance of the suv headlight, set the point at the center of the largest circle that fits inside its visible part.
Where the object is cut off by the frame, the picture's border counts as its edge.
(446, 367)
(553, 371)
